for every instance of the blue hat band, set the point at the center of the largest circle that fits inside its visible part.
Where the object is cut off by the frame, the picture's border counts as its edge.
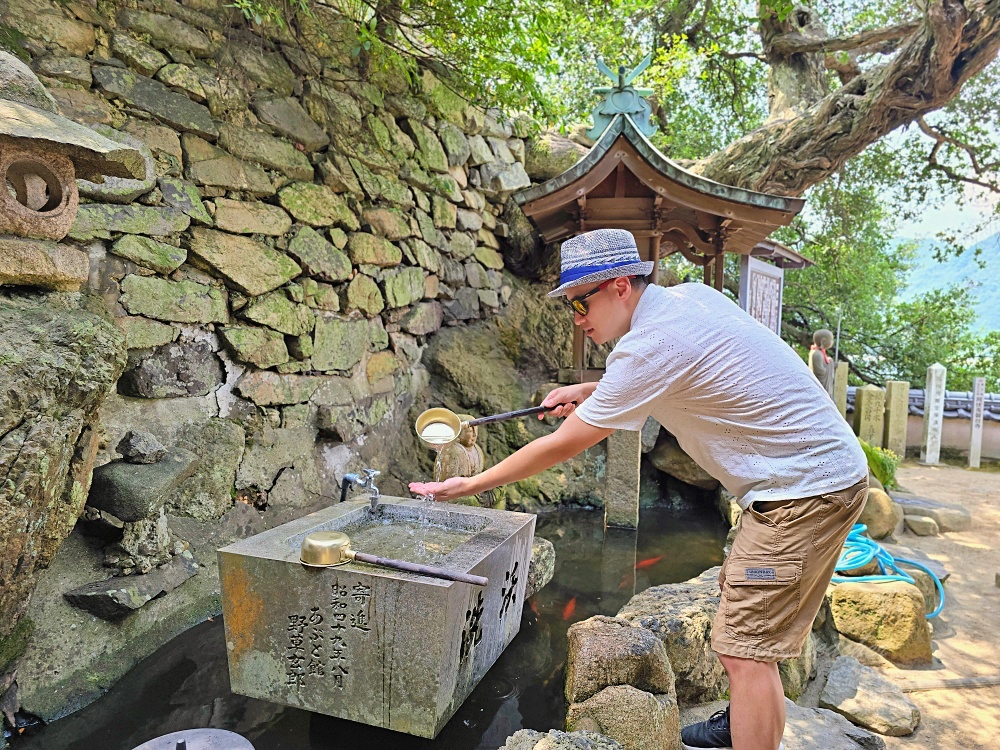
(572, 274)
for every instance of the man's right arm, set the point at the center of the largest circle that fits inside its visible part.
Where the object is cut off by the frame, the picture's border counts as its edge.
(567, 398)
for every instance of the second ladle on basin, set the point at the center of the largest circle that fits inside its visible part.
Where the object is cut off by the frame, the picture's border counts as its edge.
(323, 549)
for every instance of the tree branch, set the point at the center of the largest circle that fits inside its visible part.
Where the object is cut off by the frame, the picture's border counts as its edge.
(788, 156)
(795, 43)
(940, 140)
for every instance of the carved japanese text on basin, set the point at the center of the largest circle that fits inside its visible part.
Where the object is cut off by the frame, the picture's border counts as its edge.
(384, 647)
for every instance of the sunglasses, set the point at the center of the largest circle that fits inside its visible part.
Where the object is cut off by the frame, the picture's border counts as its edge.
(578, 305)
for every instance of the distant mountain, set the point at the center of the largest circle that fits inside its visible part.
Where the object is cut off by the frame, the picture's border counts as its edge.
(964, 270)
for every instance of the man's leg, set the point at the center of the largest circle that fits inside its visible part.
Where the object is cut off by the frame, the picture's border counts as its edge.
(757, 703)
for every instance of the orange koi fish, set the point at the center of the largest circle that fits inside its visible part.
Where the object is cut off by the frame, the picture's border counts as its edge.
(649, 562)
(569, 609)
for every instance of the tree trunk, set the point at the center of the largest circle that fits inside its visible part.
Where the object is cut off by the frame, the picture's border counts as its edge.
(786, 157)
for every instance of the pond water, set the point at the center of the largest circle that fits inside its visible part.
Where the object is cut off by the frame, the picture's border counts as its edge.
(186, 683)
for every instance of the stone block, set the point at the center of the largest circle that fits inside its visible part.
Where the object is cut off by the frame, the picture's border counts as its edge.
(117, 597)
(889, 618)
(272, 389)
(868, 699)
(164, 31)
(286, 116)
(133, 492)
(336, 111)
(318, 257)
(423, 318)
(403, 287)
(461, 246)
(174, 370)
(635, 718)
(479, 151)
(275, 153)
(934, 391)
(317, 206)
(429, 153)
(139, 447)
(173, 301)
(137, 55)
(184, 196)
(363, 294)
(276, 311)
(42, 264)
(921, 525)
(268, 69)
(82, 106)
(465, 305)
(390, 223)
(364, 248)
(211, 166)
(339, 343)
(463, 630)
(183, 78)
(840, 388)
(99, 220)
(149, 253)
(260, 347)
(455, 144)
(143, 333)
(604, 651)
(252, 267)
(153, 97)
(555, 739)
(250, 217)
(382, 187)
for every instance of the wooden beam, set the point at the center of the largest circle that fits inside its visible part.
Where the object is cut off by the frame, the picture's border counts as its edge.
(707, 278)
(654, 243)
(620, 181)
(579, 344)
(720, 269)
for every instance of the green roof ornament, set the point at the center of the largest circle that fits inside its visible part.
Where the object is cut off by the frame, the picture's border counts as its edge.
(622, 98)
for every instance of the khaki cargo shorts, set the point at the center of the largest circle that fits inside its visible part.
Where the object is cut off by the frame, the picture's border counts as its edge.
(774, 580)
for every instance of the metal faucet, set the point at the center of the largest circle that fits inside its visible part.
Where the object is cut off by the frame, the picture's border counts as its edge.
(366, 483)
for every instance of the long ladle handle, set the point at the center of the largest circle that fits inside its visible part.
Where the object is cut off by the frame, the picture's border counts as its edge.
(426, 570)
(514, 414)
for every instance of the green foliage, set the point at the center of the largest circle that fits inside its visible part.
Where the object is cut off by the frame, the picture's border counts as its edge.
(883, 464)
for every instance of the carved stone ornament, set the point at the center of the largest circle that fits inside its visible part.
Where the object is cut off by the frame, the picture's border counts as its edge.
(42, 199)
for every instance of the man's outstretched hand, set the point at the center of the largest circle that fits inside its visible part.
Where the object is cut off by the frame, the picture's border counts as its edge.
(450, 489)
(563, 401)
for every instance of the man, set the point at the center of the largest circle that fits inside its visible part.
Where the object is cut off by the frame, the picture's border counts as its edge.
(744, 406)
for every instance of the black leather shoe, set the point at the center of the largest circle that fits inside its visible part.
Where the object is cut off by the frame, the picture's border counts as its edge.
(713, 732)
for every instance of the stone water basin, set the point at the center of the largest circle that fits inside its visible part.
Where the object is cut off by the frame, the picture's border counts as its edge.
(384, 647)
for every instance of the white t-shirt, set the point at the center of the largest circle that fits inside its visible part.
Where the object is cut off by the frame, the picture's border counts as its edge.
(738, 399)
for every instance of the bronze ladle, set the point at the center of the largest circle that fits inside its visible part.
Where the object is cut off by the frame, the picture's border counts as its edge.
(324, 549)
(439, 427)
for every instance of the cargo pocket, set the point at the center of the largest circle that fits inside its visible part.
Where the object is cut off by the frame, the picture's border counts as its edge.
(762, 596)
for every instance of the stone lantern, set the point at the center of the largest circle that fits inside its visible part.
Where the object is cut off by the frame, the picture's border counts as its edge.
(41, 155)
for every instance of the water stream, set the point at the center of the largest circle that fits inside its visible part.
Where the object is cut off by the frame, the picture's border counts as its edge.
(185, 684)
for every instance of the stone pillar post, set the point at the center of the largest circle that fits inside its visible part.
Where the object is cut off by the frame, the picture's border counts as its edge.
(621, 480)
(897, 404)
(930, 446)
(618, 559)
(976, 431)
(869, 414)
(840, 389)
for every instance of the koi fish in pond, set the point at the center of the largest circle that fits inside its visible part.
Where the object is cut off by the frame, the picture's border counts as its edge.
(649, 562)
(569, 609)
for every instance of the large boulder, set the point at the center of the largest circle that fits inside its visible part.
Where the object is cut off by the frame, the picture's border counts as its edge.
(529, 739)
(670, 458)
(880, 514)
(868, 699)
(681, 615)
(58, 365)
(633, 717)
(550, 154)
(542, 568)
(795, 673)
(605, 651)
(889, 618)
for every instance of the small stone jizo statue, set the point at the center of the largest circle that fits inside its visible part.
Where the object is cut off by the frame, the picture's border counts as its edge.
(463, 458)
(820, 363)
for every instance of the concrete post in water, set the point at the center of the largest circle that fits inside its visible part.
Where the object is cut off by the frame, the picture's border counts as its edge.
(930, 446)
(869, 414)
(976, 433)
(897, 404)
(840, 389)
(621, 480)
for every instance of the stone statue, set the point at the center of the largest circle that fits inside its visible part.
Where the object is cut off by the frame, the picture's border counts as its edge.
(820, 363)
(463, 458)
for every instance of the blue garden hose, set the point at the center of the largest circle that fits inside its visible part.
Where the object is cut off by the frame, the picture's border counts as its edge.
(859, 550)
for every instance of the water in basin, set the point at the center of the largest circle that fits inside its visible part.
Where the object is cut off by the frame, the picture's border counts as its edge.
(413, 541)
